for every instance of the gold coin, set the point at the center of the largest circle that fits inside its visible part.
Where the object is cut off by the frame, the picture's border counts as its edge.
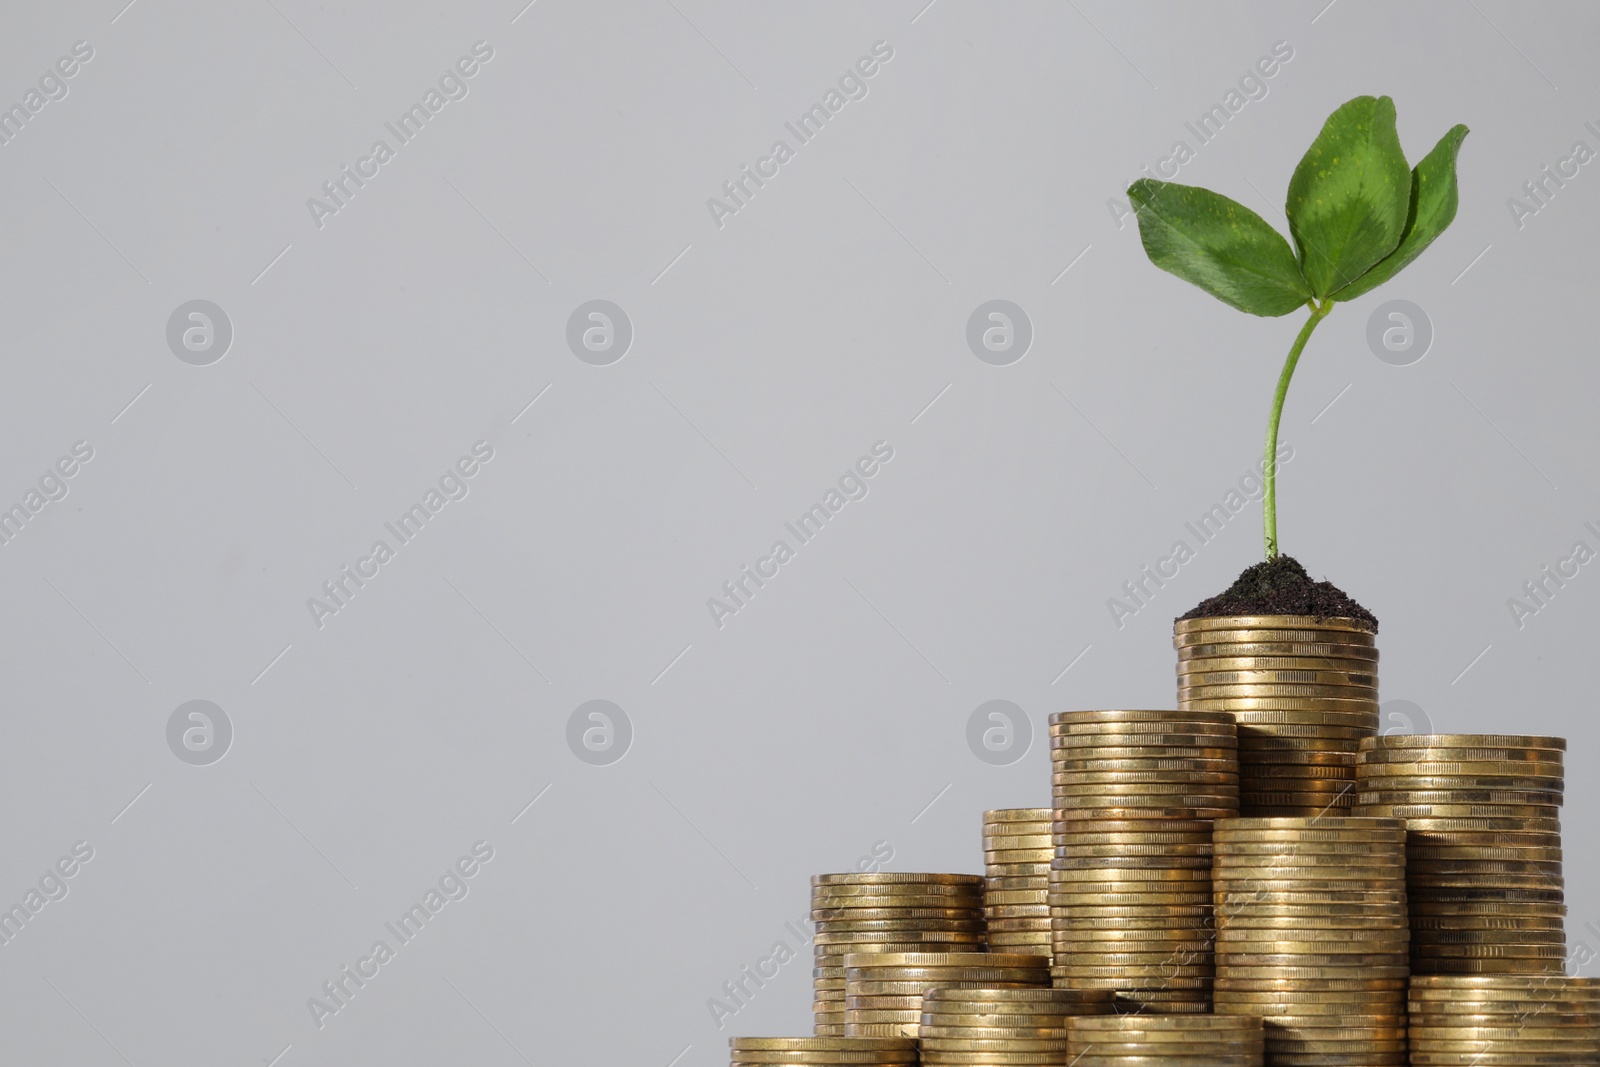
(1386, 757)
(1394, 741)
(1313, 825)
(1202, 726)
(832, 909)
(1170, 765)
(1164, 827)
(1254, 736)
(1292, 650)
(1183, 746)
(1068, 718)
(1324, 710)
(1108, 811)
(1278, 692)
(948, 959)
(1429, 813)
(1320, 678)
(819, 1044)
(879, 878)
(1233, 660)
(908, 889)
(1444, 791)
(1016, 815)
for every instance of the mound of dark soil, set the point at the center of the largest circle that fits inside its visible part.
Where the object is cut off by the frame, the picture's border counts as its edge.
(1281, 586)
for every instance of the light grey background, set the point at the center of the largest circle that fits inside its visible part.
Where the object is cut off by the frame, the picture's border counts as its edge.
(768, 355)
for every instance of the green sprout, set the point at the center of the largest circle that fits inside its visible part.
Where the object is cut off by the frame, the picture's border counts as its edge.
(1358, 215)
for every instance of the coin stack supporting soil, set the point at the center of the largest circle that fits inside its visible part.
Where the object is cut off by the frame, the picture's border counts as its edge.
(883, 990)
(1130, 881)
(1304, 691)
(1151, 1040)
(1312, 935)
(1489, 1020)
(1484, 848)
(886, 912)
(822, 1051)
(1016, 1027)
(1017, 850)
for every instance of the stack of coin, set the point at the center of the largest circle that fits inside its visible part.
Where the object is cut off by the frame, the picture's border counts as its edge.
(1130, 881)
(1312, 935)
(1017, 1027)
(820, 1051)
(1152, 1040)
(1016, 854)
(883, 990)
(1479, 1020)
(1304, 691)
(1484, 849)
(886, 912)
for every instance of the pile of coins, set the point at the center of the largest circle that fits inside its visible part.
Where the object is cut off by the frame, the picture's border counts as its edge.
(1130, 881)
(1304, 691)
(1179, 1040)
(1484, 851)
(1312, 935)
(883, 990)
(1016, 1027)
(1016, 854)
(822, 1051)
(886, 912)
(1484, 1020)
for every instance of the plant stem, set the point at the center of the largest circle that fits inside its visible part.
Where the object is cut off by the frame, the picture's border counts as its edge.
(1269, 469)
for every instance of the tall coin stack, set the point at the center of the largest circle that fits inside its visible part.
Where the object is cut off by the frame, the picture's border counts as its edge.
(1152, 1040)
(1304, 691)
(1016, 1027)
(886, 912)
(1484, 850)
(1130, 881)
(1312, 935)
(822, 1051)
(883, 990)
(1482, 1020)
(1017, 852)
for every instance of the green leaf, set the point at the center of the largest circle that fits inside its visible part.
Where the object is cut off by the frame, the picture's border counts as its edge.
(1433, 207)
(1220, 245)
(1348, 197)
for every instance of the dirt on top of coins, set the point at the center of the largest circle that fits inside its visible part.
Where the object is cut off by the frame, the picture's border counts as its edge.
(1281, 586)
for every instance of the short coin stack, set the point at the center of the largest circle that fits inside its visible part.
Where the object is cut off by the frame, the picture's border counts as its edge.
(1017, 1027)
(886, 912)
(1304, 691)
(1484, 849)
(1130, 882)
(1152, 1040)
(1017, 852)
(883, 990)
(1312, 935)
(1488, 1020)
